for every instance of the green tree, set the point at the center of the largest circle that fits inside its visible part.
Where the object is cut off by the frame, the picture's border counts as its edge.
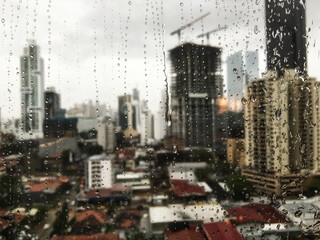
(61, 222)
(35, 163)
(93, 149)
(201, 155)
(134, 234)
(239, 187)
(10, 191)
(41, 214)
(203, 174)
(109, 228)
(224, 168)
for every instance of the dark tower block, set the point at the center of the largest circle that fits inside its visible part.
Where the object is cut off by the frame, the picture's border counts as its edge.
(196, 87)
(286, 35)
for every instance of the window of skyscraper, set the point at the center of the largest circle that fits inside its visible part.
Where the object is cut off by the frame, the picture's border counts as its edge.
(159, 119)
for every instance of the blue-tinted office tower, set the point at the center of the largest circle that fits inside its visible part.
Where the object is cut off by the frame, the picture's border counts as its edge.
(242, 67)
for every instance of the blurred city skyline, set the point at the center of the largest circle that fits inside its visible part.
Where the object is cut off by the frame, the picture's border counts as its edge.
(98, 51)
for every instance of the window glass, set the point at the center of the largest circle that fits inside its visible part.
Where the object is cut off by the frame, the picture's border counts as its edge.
(158, 119)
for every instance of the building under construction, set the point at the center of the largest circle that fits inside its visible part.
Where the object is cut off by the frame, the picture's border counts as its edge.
(196, 86)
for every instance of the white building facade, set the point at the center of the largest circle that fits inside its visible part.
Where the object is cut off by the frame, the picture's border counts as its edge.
(106, 135)
(99, 172)
(32, 91)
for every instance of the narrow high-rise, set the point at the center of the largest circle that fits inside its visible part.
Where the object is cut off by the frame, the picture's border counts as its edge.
(128, 116)
(286, 35)
(32, 91)
(197, 84)
(242, 67)
(52, 103)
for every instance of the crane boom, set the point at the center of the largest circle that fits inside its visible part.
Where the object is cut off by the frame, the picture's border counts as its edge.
(207, 34)
(178, 31)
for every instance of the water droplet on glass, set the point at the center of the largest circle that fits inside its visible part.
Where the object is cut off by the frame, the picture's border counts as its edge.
(278, 114)
(298, 213)
(3, 20)
(235, 71)
(244, 101)
(303, 148)
(253, 98)
(129, 2)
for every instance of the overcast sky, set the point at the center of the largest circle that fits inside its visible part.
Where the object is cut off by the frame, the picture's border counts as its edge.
(99, 49)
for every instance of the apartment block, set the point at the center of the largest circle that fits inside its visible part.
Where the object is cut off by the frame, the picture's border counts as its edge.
(281, 130)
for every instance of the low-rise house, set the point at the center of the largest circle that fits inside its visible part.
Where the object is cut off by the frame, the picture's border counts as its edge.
(304, 213)
(175, 215)
(9, 222)
(104, 195)
(128, 218)
(111, 236)
(138, 181)
(89, 222)
(189, 233)
(183, 190)
(261, 221)
(37, 188)
(221, 231)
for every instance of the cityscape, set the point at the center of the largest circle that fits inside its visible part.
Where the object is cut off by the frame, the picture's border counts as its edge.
(232, 151)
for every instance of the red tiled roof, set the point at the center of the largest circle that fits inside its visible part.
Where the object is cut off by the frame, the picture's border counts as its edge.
(36, 186)
(64, 179)
(57, 155)
(261, 213)
(7, 218)
(184, 188)
(126, 152)
(127, 223)
(104, 192)
(112, 236)
(221, 231)
(191, 233)
(99, 215)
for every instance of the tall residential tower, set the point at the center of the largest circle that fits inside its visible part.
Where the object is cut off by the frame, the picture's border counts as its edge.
(32, 91)
(282, 131)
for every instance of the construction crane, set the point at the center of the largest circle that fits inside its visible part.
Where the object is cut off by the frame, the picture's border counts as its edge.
(207, 34)
(178, 31)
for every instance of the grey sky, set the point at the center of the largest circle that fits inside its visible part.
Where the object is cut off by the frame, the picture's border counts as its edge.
(101, 49)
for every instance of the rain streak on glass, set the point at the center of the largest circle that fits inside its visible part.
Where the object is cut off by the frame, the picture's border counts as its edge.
(159, 119)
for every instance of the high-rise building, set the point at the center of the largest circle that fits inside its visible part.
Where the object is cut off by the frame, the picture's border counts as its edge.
(196, 85)
(106, 134)
(147, 124)
(160, 118)
(32, 90)
(136, 94)
(236, 152)
(52, 103)
(128, 116)
(99, 172)
(286, 35)
(241, 68)
(281, 131)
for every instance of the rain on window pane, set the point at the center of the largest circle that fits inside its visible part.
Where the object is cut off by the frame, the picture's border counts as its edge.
(159, 119)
